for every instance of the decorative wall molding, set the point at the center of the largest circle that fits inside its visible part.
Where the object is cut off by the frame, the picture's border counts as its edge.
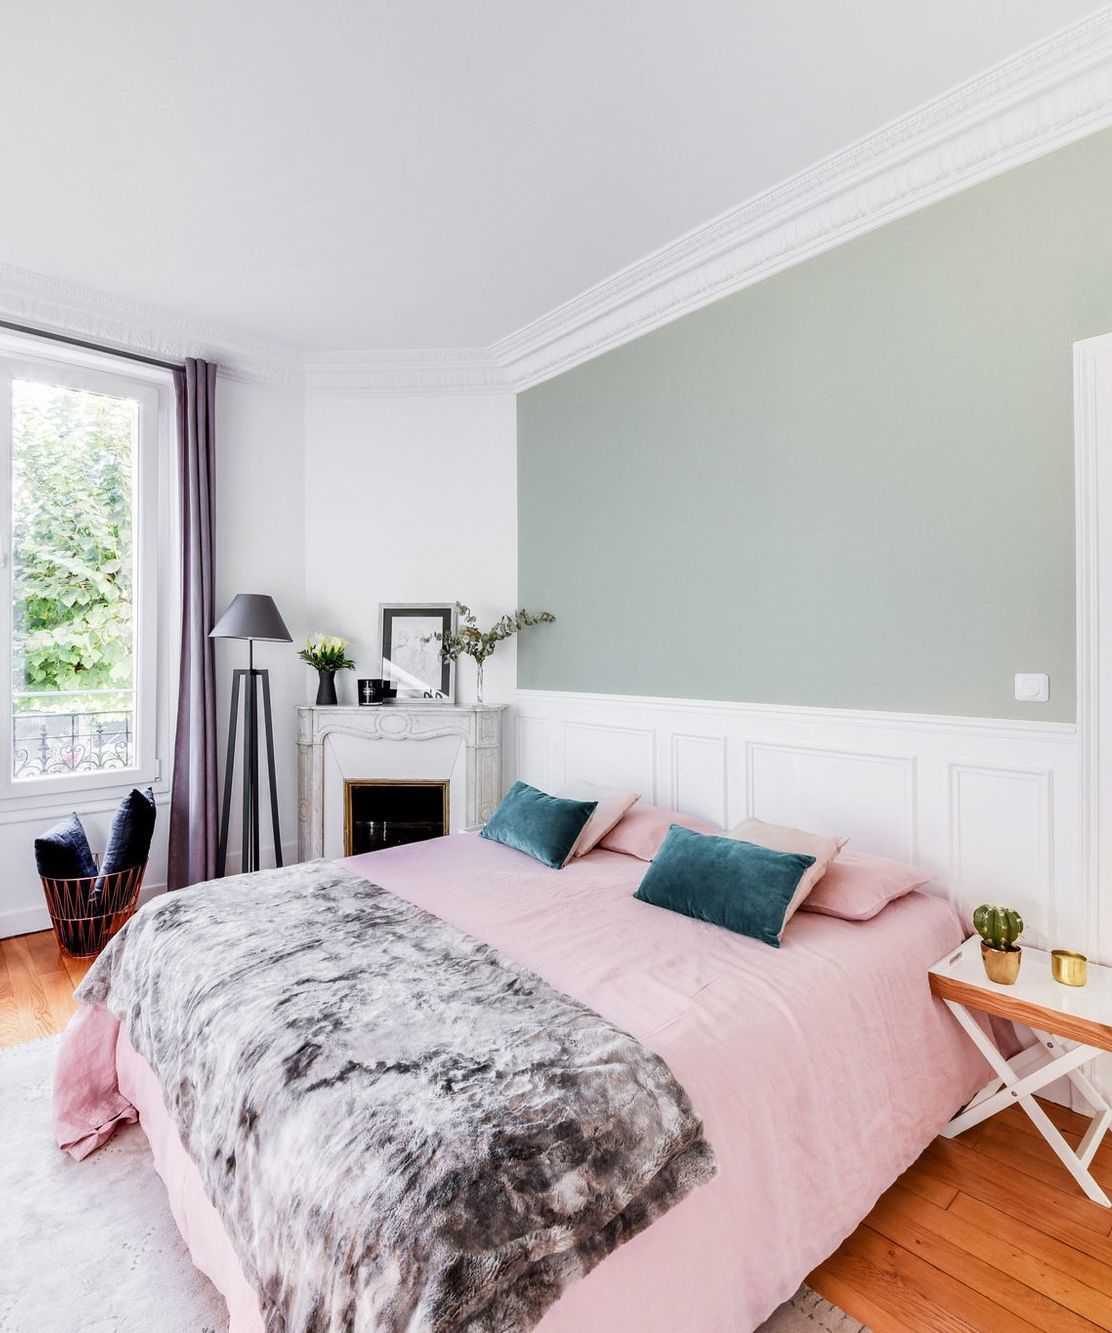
(808, 784)
(616, 755)
(401, 374)
(969, 799)
(998, 728)
(1049, 95)
(1001, 841)
(56, 306)
(531, 747)
(700, 774)
(1043, 98)
(1093, 501)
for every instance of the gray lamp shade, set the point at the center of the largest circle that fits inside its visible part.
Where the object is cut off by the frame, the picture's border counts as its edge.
(251, 615)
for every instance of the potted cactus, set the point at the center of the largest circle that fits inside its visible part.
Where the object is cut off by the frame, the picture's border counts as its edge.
(999, 928)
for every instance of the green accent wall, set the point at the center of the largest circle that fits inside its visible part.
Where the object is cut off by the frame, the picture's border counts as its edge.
(849, 486)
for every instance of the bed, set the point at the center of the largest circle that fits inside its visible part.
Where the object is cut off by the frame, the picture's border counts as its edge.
(820, 1070)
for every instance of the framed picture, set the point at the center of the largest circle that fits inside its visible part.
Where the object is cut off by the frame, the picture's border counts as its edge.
(411, 665)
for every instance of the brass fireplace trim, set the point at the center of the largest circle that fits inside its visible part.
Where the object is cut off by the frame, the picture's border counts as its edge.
(349, 783)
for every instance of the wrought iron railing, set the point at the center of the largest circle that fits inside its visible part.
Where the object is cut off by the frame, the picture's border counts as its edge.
(54, 744)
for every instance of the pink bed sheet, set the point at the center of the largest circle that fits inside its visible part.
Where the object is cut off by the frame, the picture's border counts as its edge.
(821, 1070)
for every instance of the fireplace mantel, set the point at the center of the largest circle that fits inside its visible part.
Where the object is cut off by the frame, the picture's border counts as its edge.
(478, 728)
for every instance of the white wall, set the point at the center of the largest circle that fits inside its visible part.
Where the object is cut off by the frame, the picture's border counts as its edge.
(260, 532)
(330, 505)
(988, 806)
(410, 500)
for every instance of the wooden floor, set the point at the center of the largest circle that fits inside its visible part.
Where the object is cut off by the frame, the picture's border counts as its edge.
(36, 987)
(987, 1233)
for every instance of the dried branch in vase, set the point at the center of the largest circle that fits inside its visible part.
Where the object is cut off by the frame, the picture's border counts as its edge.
(468, 640)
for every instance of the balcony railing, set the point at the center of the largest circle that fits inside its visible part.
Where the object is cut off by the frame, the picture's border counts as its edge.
(54, 744)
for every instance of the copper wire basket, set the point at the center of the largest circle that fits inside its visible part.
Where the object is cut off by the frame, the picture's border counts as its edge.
(86, 913)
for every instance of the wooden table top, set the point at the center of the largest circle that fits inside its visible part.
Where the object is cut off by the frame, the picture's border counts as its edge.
(1078, 1013)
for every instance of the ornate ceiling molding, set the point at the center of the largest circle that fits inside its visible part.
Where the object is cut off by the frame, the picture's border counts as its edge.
(1043, 98)
(403, 374)
(1047, 96)
(56, 306)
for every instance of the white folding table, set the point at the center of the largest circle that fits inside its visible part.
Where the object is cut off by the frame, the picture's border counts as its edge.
(1072, 1024)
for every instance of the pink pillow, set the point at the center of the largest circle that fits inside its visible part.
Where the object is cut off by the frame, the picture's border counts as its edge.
(857, 886)
(642, 829)
(610, 806)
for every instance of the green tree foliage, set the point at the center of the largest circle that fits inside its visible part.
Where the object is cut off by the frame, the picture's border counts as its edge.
(72, 540)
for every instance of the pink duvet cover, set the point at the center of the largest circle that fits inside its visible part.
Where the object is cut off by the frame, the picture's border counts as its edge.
(821, 1070)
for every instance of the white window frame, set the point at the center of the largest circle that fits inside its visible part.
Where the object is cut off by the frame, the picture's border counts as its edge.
(157, 580)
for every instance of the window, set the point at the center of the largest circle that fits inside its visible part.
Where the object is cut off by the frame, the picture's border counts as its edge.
(83, 456)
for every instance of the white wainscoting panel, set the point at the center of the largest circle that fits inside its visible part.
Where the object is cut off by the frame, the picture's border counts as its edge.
(1001, 834)
(868, 798)
(700, 781)
(989, 806)
(614, 756)
(532, 751)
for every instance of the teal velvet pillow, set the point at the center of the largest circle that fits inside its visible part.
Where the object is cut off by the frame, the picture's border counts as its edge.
(727, 882)
(542, 826)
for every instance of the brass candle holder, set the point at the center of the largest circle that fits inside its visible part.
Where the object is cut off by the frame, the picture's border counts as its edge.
(1069, 968)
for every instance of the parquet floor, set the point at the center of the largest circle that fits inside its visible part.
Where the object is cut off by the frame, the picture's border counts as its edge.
(986, 1234)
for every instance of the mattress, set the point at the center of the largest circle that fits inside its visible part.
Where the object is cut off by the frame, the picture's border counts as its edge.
(821, 1071)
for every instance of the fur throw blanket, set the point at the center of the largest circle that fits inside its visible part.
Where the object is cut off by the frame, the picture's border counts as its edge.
(399, 1128)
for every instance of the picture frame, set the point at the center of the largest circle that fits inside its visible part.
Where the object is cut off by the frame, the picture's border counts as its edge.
(414, 668)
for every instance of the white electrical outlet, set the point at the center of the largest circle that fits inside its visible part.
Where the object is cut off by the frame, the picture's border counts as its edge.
(1032, 687)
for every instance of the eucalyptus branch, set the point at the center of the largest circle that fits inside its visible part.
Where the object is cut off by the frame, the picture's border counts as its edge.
(468, 640)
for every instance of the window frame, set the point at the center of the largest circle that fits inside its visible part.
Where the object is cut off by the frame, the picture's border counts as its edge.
(156, 577)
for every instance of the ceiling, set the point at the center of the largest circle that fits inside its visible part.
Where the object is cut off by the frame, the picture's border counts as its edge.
(437, 173)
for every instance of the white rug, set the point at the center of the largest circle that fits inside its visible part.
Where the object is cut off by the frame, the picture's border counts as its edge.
(90, 1247)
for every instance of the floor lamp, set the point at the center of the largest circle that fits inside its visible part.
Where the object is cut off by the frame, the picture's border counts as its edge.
(250, 616)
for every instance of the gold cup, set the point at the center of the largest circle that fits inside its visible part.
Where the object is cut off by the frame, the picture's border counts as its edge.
(1069, 968)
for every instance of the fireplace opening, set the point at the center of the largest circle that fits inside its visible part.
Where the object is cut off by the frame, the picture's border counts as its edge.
(380, 814)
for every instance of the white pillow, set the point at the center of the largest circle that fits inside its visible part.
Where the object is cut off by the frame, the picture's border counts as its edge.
(781, 838)
(612, 805)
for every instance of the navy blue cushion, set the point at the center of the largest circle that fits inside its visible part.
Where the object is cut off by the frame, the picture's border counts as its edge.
(730, 883)
(542, 826)
(62, 852)
(129, 839)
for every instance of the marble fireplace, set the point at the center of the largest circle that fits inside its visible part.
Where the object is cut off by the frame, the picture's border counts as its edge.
(367, 775)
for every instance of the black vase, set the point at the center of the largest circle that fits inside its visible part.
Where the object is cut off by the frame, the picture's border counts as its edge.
(326, 687)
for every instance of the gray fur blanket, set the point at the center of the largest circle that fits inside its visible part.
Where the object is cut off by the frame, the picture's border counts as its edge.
(399, 1128)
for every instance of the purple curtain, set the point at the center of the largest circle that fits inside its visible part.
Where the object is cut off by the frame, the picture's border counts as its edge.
(193, 793)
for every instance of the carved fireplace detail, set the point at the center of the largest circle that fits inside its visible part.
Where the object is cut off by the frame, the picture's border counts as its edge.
(457, 747)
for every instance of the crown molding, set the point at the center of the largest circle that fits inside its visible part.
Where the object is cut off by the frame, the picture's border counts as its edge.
(1051, 94)
(57, 306)
(356, 374)
(1047, 96)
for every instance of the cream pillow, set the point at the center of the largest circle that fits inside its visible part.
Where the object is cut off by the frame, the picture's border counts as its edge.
(611, 806)
(780, 838)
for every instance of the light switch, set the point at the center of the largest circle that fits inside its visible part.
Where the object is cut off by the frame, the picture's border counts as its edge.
(1032, 687)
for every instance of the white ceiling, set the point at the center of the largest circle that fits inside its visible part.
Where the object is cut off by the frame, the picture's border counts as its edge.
(433, 173)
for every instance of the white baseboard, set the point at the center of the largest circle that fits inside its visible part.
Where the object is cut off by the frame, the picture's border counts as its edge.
(26, 920)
